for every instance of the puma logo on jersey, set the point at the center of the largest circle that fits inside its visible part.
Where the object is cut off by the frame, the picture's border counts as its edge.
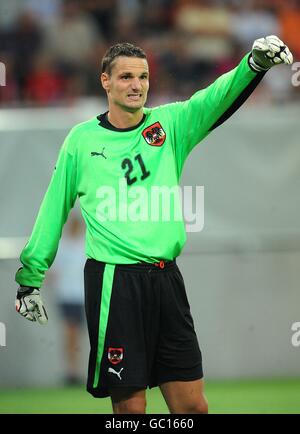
(94, 153)
(118, 374)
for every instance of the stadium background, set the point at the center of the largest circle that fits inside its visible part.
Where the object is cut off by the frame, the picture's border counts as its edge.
(242, 270)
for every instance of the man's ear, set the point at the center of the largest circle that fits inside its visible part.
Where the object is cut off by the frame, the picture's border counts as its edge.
(104, 78)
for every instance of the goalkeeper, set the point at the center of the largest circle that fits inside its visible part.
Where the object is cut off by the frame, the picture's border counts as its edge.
(139, 321)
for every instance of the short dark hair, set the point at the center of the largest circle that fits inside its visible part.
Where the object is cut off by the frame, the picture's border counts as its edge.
(121, 49)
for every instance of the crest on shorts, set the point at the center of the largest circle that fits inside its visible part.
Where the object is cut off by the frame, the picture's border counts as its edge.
(154, 135)
(115, 355)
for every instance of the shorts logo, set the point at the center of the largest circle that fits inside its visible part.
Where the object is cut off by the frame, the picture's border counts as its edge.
(115, 355)
(118, 374)
(154, 135)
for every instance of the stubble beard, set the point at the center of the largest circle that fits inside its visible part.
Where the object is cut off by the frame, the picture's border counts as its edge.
(129, 108)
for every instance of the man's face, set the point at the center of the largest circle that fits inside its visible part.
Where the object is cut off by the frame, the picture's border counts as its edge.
(128, 84)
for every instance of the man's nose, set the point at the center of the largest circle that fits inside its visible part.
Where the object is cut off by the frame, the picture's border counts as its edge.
(136, 84)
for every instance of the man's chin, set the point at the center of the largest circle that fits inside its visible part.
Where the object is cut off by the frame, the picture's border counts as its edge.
(132, 108)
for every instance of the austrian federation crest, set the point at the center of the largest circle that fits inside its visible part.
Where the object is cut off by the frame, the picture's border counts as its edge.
(115, 355)
(154, 134)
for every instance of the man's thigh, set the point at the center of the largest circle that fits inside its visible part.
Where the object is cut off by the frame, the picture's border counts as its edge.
(128, 400)
(185, 396)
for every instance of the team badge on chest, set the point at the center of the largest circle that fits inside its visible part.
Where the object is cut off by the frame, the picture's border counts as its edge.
(154, 135)
(115, 355)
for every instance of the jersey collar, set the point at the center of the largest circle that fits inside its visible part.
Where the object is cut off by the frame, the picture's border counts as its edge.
(104, 122)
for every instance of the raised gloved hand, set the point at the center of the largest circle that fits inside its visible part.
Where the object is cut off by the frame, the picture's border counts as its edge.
(30, 305)
(268, 52)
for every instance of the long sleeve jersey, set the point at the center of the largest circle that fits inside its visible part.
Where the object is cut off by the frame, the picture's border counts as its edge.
(127, 179)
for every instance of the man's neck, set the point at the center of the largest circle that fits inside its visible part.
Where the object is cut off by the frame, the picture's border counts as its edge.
(121, 119)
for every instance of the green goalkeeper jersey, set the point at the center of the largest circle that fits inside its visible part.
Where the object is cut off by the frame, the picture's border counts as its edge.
(116, 174)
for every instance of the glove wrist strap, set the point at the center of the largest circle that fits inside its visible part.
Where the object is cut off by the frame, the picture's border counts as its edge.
(22, 290)
(254, 66)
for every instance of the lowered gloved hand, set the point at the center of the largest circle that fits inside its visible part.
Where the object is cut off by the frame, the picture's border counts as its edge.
(30, 305)
(268, 52)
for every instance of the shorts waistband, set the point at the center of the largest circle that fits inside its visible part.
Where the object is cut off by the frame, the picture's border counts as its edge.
(159, 266)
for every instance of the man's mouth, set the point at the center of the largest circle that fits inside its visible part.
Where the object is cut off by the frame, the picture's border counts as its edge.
(134, 96)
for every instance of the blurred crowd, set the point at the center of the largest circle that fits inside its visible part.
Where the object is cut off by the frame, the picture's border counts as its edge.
(52, 49)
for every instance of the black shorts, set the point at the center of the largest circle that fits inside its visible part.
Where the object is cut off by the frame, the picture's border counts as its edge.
(140, 327)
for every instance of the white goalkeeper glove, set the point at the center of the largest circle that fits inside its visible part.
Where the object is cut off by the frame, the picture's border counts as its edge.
(30, 305)
(268, 52)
